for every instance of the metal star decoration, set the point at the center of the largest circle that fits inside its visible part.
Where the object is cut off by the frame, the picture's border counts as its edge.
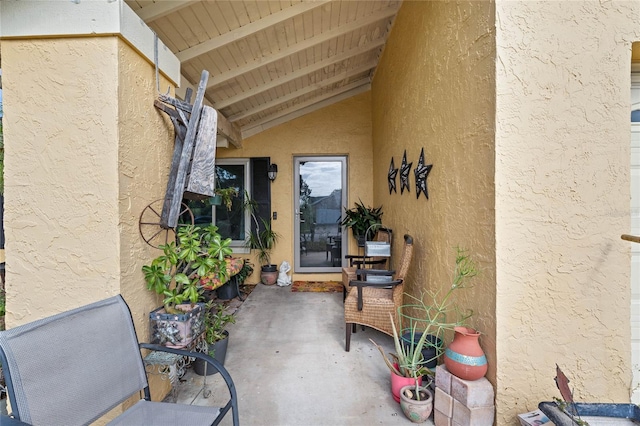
(421, 172)
(391, 177)
(404, 173)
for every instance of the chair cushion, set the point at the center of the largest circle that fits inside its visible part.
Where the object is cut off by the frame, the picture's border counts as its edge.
(163, 413)
(373, 295)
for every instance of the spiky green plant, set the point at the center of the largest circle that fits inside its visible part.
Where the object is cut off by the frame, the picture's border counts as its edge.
(362, 220)
(429, 314)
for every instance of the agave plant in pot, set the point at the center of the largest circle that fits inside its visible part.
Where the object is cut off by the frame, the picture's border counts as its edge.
(176, 275)
(216, 336)
(426, 318)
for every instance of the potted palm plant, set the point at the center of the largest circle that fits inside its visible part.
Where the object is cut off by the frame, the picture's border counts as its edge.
(216, 336)
(263, 239)
(176, 275)
(363, 221)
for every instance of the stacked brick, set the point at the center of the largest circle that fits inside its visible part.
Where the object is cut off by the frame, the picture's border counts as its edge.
(462, 402)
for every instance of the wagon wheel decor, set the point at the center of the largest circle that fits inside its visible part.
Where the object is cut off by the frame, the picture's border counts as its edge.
(150, 224)
(192, 172)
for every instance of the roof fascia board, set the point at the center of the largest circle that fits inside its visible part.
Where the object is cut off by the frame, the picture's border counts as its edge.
(45, 19)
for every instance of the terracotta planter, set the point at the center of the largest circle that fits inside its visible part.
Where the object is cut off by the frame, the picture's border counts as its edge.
(464, 357)
(398, 382)
(416, 411)
(269, 274)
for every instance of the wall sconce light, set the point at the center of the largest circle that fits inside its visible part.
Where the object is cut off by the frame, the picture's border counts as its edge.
(272, 171)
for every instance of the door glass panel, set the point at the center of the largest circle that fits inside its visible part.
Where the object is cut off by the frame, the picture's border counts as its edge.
(319, 204)
(231, 222)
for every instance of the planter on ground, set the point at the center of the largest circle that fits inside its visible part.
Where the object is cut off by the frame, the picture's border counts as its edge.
(217, 350)
(418, 411)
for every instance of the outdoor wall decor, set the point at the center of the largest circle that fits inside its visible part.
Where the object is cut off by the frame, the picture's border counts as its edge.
(391, 177)
(404, 173)
(421, 172)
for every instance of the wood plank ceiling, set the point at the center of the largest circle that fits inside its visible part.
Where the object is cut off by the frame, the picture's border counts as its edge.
(272, 61)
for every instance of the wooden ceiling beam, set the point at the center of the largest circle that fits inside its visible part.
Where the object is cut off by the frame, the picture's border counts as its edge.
(310, 42)
(247, 30)
(307, 89)
(304, 108)
(375, 44)
(162, 8)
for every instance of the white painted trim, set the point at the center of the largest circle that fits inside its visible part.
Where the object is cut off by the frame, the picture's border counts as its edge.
(46, 18)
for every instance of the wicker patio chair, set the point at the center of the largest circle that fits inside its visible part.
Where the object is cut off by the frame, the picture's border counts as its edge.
(74, 367)
(370, 300)
(359, 261)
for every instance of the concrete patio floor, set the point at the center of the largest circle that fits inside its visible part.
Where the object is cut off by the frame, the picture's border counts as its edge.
(287, 359)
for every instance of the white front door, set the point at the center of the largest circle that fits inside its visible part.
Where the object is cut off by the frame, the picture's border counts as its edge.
(320, 196)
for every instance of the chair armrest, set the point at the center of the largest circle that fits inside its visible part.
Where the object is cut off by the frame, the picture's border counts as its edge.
(354, 259)
(378, 272)
(233, 402)
(10, 421)
(367, 261)
(353, 256)
(361, 284)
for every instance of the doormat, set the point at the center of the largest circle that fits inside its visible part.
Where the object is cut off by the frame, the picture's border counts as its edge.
(317, 286)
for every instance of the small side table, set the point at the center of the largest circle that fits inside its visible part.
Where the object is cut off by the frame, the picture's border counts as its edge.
(172, 366)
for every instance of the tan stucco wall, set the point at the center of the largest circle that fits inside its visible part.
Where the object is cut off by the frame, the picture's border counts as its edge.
(340, 129)
(145, 147)
(434, 89)
(562, 199)
(61, 187)
(86, 151)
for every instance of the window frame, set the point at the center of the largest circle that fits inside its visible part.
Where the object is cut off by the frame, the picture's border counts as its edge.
(238, 246)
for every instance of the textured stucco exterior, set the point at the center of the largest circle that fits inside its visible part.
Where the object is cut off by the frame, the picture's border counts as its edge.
(522, 108)
(542, 203)
(83, 170)
(434, 90)
(61, 186)
(340, 129)
(85, 151)
(562, 199)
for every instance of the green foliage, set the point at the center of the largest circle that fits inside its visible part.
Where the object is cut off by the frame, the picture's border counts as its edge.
(3, 303)
(264, 241)
(245, 272)
(429, 315)
(177, 272)
(1, 155)
(263, 238)
(360, 218)
(215, 320)
(227, 195)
